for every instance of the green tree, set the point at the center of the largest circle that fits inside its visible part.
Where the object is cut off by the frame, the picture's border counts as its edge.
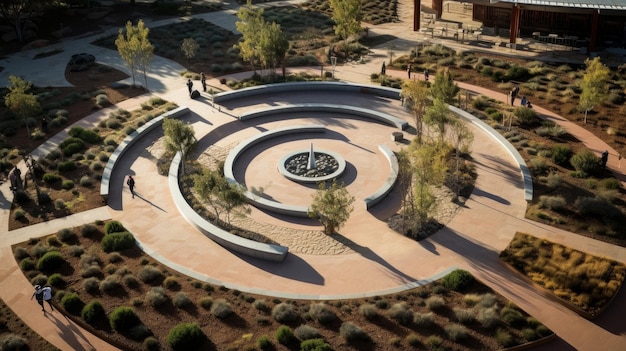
(250, 26)
(461, 137)
(20, 101)
(179, 137)
(135, 48)
(220, 195)
(189, 48)
(415, 96)
(593, 85)
(347, 16)
(273, 45)
(17, 12)
(331, 206)
(428, 165)
(438, 115)
(444, 88)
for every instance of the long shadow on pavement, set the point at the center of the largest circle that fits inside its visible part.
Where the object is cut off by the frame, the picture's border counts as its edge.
(293, 267)
(612, 319)
(69, 332)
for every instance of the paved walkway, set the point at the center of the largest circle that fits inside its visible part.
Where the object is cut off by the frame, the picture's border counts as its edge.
(382, 261)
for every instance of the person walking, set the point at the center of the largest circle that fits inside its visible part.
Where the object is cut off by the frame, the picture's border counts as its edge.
(426, 74)
(383, 69)
(605, 158)
(203, 81)
(408, 69)
(131, 185)
(514, 92)
(189, 86)
(40, 295)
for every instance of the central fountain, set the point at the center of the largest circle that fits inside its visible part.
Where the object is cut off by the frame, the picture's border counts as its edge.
(311, 166)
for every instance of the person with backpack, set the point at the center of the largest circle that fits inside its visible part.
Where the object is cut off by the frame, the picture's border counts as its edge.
(43, 294)
(131, 185)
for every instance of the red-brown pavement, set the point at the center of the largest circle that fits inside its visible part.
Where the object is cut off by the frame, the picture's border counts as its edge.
(383, 260)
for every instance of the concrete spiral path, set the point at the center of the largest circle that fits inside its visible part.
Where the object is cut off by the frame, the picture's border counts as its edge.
(382, 260)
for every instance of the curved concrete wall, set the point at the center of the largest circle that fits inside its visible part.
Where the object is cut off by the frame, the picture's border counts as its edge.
(376, 197)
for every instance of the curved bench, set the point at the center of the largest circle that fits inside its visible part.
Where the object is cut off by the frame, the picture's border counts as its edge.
(129, 141)
(299, 211)
(238, 244)
(526, 176)
(331, 108)
(377, 196)
(308, 86)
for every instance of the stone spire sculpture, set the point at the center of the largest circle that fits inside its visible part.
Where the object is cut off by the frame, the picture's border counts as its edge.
(311, 164)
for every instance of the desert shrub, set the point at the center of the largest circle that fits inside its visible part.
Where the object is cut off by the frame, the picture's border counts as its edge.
(113, 123)
(56, 280)
(151, 344)
(221, 308)
(456, 332)
(585, 162)
(50, 261)
(130, 281)
(284, 335)
(382, 304)
(93, 312)
(306, 332)
(400, 313)
(113, 227)
(351, 332)
(88, 230)
(20, 253)
(516, 72)
(53, 241)
(92, 285)
(43, 197)
(123, 319)
(529, 334)
(206, 302)
(88, 136)
(67, 184)
(27, 264)
(260, 305)
(19, 214)
(561, 153)
(86, 181)
(114, 257)
(458, 280)
(66, 166)
(423, 320)
(181, 300)
(150, 274)
(110, 284)
(434, 342)
(13, 342)
(464, 315)
(542, 330)
(512, 317)
(117, 242)
(488, 317)
(72, 303)
(264, 343)
(610, 184)
(156, 296)
(39, 279)
(66, 235)
(321, 313)
(413, 340)
(314, 345)
(284, 313)
(504, 338)
(75, 250)
(480, 103)
(554, 203)
(435, 302)
(538, 165)
(526, 117)
(39, 250)
(51, 178)
(171, 283)
(368, 311)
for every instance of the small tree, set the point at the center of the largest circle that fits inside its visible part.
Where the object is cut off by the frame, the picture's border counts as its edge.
(273, 46)
(428, 162)
(593, 85)
(444, 88)
(347, 16)
(189, 48)
(415, 96)
(179, 137)
(331, 206)
(221, 196)
(20, 101)
(250, 26)
(135, 48)
(438, 115)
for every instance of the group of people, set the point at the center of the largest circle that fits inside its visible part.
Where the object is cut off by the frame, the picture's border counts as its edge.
(409, 69)
(15, 178)
(42, 294)
(202, 81)
(524, 102)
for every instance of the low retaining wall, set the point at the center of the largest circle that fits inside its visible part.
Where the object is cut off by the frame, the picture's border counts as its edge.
(307, 86)
(526, 176)
(376, 197)
(129, 141)
(277, 207)
(232, 242)
(329, 108)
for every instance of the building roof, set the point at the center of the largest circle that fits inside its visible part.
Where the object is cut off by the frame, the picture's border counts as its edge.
(581, 4)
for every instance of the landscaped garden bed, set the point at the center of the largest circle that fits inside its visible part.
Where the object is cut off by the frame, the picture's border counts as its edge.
(109, 285)
(584, 282)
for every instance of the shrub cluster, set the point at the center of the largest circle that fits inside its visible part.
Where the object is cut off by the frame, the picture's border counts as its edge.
(118, 242)
(185, 336)
(72, 303)
(50, 261)
(123, 318)
(88, 136)
(458, 280)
